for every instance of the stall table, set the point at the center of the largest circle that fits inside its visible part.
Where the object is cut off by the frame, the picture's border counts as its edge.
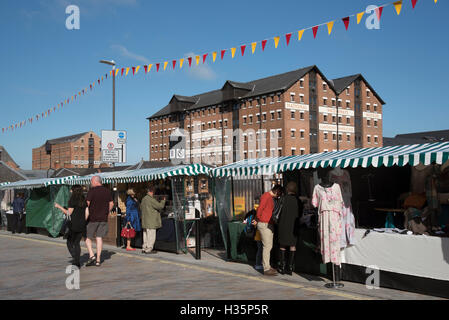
(416, 263)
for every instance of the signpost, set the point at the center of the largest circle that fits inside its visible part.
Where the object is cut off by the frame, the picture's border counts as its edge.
(113, 146)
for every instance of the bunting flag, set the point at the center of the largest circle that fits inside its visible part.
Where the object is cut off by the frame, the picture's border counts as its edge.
(242, 48)
(135, 69)
(314, 29)
(287, 38)
(330, 25)
(346, 22)
(379, 12)
(398, 6)
(253, 47)
(359, 16)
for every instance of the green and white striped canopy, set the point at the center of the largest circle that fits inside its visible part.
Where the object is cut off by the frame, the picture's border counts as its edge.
(35, 183)
(143, 175)
(386, 156)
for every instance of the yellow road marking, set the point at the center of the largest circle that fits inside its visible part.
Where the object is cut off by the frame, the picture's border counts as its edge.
(226, 273)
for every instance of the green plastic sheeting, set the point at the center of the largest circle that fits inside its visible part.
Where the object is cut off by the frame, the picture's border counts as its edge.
(41, 211)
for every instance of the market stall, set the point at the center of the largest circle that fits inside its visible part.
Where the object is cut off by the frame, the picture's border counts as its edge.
(382, 182)
(187, 190)
(42, 194)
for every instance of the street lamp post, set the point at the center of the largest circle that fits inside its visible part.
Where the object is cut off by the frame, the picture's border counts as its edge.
(112, 63)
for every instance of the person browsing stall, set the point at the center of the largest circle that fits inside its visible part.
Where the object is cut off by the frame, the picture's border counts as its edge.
(132, 215)
(100, 203)
(151, 220)
(265, 226)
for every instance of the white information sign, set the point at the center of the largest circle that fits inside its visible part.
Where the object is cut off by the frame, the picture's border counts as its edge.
(113, 146)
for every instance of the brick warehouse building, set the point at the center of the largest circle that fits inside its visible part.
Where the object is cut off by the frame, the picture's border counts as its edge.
(81, 150)
(297, 112)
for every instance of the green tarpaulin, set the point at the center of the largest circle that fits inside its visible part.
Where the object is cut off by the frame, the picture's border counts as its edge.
(41, 211)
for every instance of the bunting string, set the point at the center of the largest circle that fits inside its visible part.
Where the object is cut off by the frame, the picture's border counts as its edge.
(179, 63)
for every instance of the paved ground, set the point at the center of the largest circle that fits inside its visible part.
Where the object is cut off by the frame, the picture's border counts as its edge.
(33, 267)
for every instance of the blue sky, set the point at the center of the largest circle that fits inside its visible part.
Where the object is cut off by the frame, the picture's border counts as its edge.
(42, 63)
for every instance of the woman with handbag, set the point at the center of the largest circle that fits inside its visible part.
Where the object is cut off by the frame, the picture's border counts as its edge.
(132, 218)
(77, 213)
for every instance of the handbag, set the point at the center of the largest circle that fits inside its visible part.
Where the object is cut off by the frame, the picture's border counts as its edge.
(66, 227)
(277, 209)
(128, 233)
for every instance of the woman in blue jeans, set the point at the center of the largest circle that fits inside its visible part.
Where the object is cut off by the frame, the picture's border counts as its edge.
(132, 215)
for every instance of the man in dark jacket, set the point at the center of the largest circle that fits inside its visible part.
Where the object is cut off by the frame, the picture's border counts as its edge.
(18, 206)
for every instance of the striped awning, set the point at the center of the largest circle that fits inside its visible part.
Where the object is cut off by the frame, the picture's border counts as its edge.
(35, 183)
(365, 157)
(143, 175)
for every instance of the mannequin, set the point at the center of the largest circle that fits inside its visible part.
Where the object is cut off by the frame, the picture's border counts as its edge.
(328, 199)
(343, 179)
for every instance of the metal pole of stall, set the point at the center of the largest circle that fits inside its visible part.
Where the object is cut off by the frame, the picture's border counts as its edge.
(197, 239)
(232, 193)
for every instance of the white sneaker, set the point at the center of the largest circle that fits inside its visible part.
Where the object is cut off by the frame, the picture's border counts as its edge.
(258, 267)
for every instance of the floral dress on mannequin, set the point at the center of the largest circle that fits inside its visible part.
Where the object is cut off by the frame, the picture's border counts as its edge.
(329, 203)
(343, 179)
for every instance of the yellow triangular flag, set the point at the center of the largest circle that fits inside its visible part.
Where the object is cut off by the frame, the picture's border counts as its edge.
(359, 16)
(165, 64)
(93, 84)
(102, 78)
(197, 60)
(72, 98)
(137, 69)
(398, 6)
(276, 42)
(232, 52)
(116, 72)
(127, 70)
(181, 61)
(300, 34)
(214, 56)
(330, 25)
(110, 73)
(253, 46)
(149, 67)
(436, 1)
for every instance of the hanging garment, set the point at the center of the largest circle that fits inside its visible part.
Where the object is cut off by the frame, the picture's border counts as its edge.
(343, 179)
(329, 202)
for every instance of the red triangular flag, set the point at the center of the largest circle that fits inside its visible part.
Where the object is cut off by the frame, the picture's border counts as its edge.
(222, 54)
(174, 64)
(190, 61)
(379, 12)
(146, 68)
(157, 67)
(264, 42)
(287, 37)
(106, 75)
(134, 69)
(83, 92)
(243, 49)
(414, 3)
(98, 81)
(204, 57)
(314, 29)
(90, 87)
(123, 69)
(346, 22)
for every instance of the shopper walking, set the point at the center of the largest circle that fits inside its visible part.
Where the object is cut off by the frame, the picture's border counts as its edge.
(132, 215)
(151, 220)
(288, 227)
(18, 206)
(100, 204)
(265, 226)
(78, 213)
